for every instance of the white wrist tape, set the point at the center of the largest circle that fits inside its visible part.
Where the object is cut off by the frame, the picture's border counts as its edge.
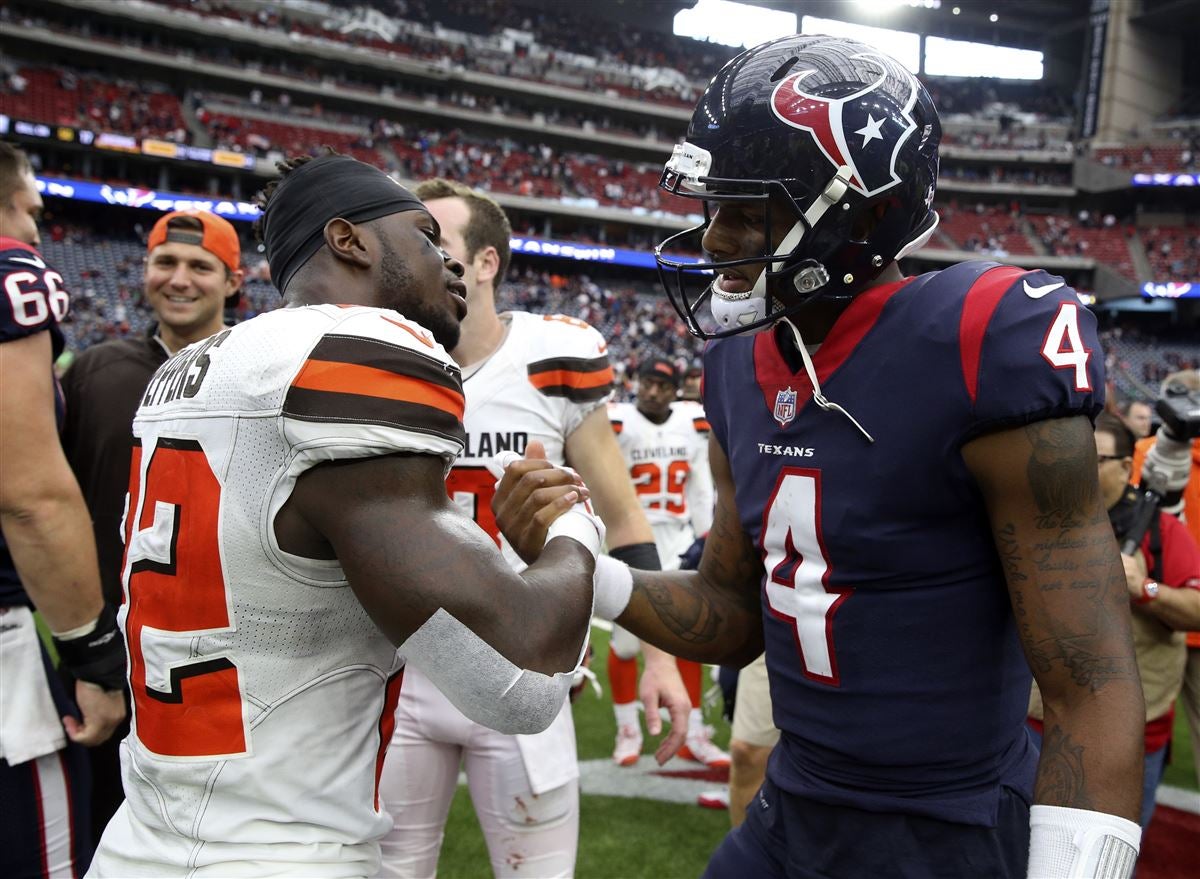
(613, 586)
(579, 524)
(1067, 843)
(481, 683)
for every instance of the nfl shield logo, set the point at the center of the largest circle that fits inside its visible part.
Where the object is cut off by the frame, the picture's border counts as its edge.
(785, 407)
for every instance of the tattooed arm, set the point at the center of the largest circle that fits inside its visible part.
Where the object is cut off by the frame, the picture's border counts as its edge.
(711, 614)
(1068, 593)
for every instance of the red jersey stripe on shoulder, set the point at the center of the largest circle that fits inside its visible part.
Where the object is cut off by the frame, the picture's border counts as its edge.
(7, 243)
(979, 305)
(701, 425)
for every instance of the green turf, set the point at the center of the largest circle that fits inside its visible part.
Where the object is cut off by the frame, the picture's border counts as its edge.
(618, 837)
(1181, 771)
(630, 839)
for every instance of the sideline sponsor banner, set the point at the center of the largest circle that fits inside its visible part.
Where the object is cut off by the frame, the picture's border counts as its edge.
(1171, 290)
(1166, 179)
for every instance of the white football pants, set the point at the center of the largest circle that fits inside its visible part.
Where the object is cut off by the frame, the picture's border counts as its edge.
(527, 834)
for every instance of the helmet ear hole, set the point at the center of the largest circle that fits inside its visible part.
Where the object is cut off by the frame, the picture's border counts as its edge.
(867, 220)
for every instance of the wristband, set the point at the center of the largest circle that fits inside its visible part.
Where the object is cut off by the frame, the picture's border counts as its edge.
(613, 584)
(97, 657)
(643, 556)
(1065, 843)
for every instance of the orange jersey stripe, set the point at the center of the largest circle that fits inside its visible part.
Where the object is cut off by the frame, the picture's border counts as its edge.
(366, 381)
(568, 378)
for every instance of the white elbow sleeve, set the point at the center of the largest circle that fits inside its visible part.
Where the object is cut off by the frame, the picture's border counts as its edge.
(1067, 843)
(482, 683)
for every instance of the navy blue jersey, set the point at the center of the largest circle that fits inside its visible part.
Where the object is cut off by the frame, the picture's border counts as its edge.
(33, 301)
(896, 673)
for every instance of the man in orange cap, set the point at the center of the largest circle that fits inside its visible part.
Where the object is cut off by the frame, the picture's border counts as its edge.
(192, 273)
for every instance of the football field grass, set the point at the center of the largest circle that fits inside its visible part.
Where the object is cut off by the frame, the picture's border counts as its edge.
(622, 838)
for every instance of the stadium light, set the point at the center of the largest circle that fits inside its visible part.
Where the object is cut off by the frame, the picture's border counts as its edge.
(904, 46)
(959, 58)
(889, 5)
(733, 24)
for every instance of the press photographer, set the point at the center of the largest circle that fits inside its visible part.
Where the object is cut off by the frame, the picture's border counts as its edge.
(1188, 382)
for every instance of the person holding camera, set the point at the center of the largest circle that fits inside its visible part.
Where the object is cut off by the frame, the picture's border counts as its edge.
(1163, 578)
(1180, 387)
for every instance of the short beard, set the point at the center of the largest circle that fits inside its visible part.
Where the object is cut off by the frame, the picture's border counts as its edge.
(400, 294)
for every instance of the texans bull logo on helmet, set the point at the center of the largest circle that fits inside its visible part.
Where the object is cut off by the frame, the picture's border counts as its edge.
(855, 125)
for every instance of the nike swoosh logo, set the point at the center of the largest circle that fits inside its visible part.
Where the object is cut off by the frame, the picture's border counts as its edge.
(29, 261)
(1039, 292)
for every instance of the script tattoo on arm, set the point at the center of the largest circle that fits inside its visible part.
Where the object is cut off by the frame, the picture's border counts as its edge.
(1070, 550)
(1066, 585)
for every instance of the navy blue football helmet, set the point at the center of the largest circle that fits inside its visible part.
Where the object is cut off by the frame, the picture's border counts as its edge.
(831, 128)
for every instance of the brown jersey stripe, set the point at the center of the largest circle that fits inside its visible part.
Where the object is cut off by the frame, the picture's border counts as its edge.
(367, 381)
(577, 395)
(570, 364)
(388, 356)
(315, 405)
(701, 425)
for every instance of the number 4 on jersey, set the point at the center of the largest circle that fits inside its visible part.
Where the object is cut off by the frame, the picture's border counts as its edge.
(1064, 348)
(797, 567)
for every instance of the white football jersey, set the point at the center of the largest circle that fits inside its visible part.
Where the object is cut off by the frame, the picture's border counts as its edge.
(668, 464)
(263, 694)
(549, 374)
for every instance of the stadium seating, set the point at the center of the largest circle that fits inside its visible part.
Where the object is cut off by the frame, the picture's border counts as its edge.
(986, 229)
(1174, 252)
(59, 96)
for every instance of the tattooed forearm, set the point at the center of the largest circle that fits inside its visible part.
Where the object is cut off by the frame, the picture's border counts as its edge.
(1060, 777)
(686, 613)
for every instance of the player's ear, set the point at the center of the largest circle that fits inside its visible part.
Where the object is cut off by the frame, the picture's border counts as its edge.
(487, 264)
(346, 242)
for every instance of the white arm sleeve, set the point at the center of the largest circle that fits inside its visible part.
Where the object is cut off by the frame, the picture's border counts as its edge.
(480, 682)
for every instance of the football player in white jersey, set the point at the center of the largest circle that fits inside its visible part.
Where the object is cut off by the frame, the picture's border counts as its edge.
(288, 528)
(664, 441)
(526, 377)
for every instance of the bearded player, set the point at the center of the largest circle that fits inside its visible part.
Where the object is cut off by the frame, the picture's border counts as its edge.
(664, 441)
(526, 377)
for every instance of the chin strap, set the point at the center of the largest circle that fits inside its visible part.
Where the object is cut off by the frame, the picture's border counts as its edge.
(819, 398)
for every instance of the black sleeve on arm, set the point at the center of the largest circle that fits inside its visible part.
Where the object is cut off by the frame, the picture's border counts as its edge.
(643, 556)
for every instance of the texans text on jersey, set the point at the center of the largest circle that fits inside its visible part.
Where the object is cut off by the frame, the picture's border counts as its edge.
(791, 451)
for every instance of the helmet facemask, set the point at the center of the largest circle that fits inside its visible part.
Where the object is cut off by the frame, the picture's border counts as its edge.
(791, 266)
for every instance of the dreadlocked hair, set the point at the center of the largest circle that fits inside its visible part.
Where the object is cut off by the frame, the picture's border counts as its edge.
(262, 198)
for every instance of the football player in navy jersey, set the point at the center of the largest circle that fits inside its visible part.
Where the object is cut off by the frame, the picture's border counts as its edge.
(908, 517)
(47, 562)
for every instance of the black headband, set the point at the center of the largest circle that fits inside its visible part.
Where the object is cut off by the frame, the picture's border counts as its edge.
(293, 225)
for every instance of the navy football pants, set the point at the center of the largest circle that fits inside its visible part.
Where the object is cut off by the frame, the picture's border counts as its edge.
(788, 836)
(45, 814)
